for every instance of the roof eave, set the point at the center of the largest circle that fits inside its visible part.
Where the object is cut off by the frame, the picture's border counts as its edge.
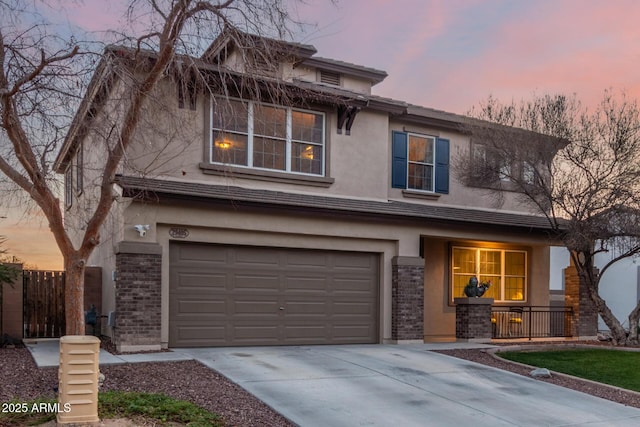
(370, 74)
(225, 43)
(98, 81)
(393, 210)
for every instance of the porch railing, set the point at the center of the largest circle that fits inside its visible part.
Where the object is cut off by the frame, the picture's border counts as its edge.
(531, 322)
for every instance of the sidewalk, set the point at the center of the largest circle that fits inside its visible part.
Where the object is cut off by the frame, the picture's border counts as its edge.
(46, 353)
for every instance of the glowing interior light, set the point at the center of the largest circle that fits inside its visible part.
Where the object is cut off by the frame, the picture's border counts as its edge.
(307, 153)
(224, 144)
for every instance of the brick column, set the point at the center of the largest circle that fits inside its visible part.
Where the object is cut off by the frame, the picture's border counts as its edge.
(585, 315)
(138, 295)
(407, 299)
(473, 319)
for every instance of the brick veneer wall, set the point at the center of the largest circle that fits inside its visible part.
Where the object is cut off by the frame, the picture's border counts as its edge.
(138, 296)
(585, 315)
(407, 299)
(473, 318)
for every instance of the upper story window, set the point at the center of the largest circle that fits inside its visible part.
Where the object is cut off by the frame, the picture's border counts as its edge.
(80, 170)
(505, 269)
(264, 136)
(490, 168)
(187, 94)
(68, 187)
(420, 162)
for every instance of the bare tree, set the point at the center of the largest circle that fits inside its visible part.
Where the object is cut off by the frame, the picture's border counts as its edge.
(579, 168)
(43, 78)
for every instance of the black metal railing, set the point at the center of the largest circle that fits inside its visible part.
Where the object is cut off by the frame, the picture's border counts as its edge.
(531, 322)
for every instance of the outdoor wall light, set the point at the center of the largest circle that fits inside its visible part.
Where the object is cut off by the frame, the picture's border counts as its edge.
(142, 229)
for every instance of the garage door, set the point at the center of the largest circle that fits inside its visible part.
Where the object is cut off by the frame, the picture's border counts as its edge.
(224, 295)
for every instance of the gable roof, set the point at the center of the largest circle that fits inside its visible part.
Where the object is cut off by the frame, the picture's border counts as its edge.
(231, 39)
(161, 189)
(209, 63)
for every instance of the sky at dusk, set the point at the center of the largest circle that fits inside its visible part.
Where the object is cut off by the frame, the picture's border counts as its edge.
(444, 54)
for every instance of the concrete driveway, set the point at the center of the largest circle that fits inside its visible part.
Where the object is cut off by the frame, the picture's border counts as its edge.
(406, 385)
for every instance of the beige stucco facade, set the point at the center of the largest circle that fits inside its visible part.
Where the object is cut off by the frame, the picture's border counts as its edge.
(174, 145)
(245, 227)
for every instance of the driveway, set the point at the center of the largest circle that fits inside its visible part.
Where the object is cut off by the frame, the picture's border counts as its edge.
(402, 385)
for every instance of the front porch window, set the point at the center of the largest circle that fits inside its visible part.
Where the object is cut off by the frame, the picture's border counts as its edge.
(505, 269)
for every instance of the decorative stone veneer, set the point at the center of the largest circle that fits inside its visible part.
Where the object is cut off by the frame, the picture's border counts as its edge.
(138, 296)
(585, 315)
(473, 319)
(407, 299)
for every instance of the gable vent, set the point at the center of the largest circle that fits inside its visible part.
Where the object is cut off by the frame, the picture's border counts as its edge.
(262, 65)
(330, 78)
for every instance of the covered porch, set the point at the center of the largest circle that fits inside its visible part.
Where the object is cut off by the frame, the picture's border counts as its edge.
(519, 304)
(516, 267)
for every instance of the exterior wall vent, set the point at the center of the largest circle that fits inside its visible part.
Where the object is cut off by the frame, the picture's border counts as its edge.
(330, 78)
(262, 65)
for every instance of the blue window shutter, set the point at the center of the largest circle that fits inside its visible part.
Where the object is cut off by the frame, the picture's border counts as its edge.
(442, 166)
(399, 159)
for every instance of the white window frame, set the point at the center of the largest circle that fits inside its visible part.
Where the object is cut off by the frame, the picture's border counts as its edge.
(250, 137)
(432, 164)
(503, 274)
(79, 170)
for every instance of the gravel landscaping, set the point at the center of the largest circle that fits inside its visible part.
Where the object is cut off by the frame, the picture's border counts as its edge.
(192, 381)
(21, 379)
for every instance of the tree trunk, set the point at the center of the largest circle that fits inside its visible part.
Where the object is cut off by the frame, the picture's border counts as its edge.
(618, 333)
(634, 316)
(74, 296)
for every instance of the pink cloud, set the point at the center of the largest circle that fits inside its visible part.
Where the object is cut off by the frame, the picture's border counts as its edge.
(553, 47)
(96, 15)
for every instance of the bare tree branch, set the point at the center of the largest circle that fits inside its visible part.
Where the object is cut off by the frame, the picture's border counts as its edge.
(586, 183)
(47, 102)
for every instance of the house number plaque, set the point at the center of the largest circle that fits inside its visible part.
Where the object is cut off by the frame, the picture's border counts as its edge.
(178, 232)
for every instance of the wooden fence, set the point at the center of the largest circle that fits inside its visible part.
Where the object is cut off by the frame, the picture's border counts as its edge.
(43, 304)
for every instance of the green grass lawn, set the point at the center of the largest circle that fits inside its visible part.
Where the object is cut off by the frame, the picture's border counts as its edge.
(614, 367)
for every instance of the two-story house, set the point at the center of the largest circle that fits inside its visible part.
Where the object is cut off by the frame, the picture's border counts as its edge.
(277, 201)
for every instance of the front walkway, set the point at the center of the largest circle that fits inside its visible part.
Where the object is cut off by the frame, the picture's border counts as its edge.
(46, 354)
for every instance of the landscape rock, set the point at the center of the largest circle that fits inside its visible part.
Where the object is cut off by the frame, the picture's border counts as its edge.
(540, 373)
